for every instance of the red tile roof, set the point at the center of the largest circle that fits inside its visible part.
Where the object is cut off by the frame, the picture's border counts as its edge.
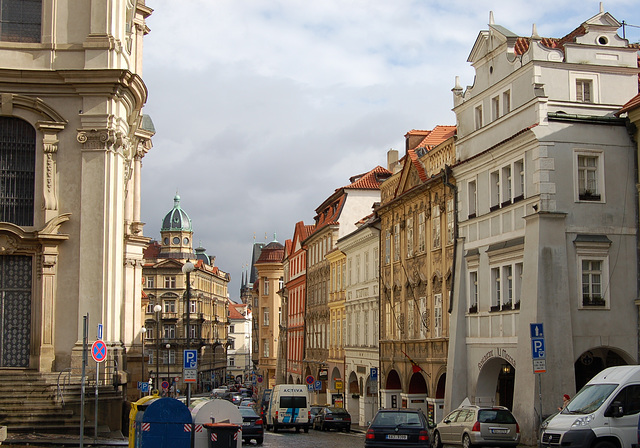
(370, 180)
(234, 313)
(631, 104)
(438, 135)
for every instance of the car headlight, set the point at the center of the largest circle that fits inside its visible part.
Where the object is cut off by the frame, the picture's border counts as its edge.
(583, 421)
(544, 424)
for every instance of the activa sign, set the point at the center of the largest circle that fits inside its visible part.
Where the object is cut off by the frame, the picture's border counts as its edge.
(294, 389)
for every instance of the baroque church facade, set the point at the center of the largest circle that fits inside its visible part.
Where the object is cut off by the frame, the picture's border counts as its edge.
(73, 137)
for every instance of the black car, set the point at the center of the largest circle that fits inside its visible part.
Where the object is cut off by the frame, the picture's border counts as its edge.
(332, 417)
(407, 428)
(252, 426)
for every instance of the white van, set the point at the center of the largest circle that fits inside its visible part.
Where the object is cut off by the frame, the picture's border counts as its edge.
(604, 413)
(289, 407)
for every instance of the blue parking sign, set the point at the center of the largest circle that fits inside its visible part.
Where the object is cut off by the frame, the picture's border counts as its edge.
(318, 385)
(190, 359)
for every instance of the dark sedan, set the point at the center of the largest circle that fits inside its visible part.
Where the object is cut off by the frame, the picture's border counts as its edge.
(252, 425)
(332, 418)
(406, 428)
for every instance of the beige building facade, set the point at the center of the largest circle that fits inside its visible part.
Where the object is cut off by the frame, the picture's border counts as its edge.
(417, 228)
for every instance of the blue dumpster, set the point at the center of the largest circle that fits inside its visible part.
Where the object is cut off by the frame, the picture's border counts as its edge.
(163, 423)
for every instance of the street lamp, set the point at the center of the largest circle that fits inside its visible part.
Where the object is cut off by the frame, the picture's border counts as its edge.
(168, 346)
(157, 309)
(143, 331)
(187, 269)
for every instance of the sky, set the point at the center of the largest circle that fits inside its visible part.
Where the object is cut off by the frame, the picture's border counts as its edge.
(263, 108)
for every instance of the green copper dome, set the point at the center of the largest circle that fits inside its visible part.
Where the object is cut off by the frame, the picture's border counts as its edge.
(176, 219)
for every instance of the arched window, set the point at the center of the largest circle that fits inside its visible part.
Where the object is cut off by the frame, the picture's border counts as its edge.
(20, 20)
(17, 170)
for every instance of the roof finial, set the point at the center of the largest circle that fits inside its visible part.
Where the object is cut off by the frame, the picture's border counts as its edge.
(457, 88)
(534, 33)
(491, 21)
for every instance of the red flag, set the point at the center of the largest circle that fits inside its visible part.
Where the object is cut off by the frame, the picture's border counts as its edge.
(414, 365)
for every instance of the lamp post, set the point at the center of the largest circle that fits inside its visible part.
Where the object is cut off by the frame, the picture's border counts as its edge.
(157, 309)
(143, 331)
(168, 346)
(187, 269)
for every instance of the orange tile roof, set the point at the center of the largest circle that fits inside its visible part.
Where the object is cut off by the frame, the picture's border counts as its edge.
(370, 180)
(631, 104)
(439, 134)
(234, 313)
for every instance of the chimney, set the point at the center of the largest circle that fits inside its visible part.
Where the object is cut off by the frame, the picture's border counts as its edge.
(392, 160)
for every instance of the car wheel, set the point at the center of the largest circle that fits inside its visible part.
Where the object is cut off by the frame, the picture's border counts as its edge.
(437, 443)
(323, 427)
(275, 428)
(259, 441)
(348, 428)
(604, 444)
(306, 429)
(466, 441)
(297, 429)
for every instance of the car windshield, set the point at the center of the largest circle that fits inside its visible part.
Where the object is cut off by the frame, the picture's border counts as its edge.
(589, 399)
(247, 412)
(337, 410)
(396, 419)
(495, 416)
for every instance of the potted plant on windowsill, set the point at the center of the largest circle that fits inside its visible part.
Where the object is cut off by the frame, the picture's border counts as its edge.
(593, 301)
(507, 306)
(516, 306)
(494, 308)
(589, 195)
(473, 309)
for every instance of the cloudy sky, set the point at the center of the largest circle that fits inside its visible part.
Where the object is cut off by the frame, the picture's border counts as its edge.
(262, 108)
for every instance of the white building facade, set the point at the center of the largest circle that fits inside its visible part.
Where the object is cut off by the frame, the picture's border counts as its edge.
(239, 340)
(546, 216)
(361, 248)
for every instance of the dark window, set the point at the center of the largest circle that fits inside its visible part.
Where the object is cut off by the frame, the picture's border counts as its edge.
(293, 402)
(17, 171)
(20, 20)
(495, 416)
(630, 399)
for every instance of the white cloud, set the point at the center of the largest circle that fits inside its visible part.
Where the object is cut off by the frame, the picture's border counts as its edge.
(263, 108)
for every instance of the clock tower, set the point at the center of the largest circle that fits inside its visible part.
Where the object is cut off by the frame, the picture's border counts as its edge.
(176, 233)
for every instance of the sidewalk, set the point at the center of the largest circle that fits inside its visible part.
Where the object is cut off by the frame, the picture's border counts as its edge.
(19, 440)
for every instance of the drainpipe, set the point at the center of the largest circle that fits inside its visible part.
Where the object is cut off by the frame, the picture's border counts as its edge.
(447, 172)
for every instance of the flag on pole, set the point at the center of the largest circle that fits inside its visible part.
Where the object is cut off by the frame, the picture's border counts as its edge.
(414, 365)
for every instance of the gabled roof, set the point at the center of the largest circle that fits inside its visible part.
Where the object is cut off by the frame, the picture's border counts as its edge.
(370, 180)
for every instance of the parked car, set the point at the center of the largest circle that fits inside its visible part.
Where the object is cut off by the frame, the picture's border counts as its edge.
(404, 427)
(247, 402)
(252, 425)
(264, 404)
(313, 411)
(332, 418)
(478, 426)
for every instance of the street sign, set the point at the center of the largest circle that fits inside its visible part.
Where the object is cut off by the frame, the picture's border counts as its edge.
(190, 359)
(310, 387)
(318, 385)
(190, 375)
(165, 384)
(143, 386)
(338, 384)
(99, 336)
(373, 373)
(538, 351)
(536, 330)
(310, 379)
(99, 351)
(323, 374)
(259, 378)
(537, 348)
(539, 365)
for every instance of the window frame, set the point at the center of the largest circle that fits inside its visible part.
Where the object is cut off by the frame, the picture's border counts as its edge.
(599, 196)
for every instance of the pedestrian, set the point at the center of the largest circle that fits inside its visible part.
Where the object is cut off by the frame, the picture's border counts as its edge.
(565, 401)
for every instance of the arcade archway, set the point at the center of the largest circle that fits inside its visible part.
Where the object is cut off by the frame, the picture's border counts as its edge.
(495, 383)
(596, 359)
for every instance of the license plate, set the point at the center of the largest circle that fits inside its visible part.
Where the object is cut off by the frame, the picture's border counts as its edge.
(246, 423)
(499, 431)
(338, 419)
(397, 437)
